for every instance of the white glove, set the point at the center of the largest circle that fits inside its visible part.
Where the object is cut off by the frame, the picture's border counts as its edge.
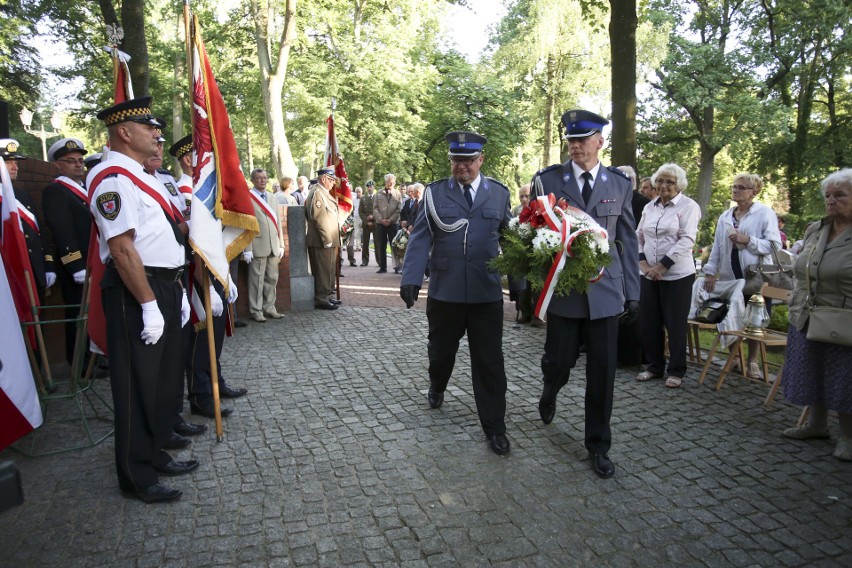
(215, 302)
(152, 322)
(248, 256)
(280, 253)
(79, 276)
(50, 278)
(233, 294)
(184, 309)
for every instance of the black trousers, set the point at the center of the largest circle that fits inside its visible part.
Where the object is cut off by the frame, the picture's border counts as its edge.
(200, 387)
(483, 323)
(72, 293)
(664, 305)
(384, 235)
(144, 378)
(365, 243)
(561, 351)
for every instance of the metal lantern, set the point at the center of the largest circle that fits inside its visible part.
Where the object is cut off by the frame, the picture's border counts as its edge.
(755, 317)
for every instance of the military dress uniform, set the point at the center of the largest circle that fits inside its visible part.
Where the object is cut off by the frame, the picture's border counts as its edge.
(456, 241)
(144, 377)
(365, 209)
(66, 211)
(593, 316)
(322, 240)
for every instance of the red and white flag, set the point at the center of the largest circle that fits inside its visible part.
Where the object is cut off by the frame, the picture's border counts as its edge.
(20, 412)
(335, 160)
(14, 248)
(223, 221)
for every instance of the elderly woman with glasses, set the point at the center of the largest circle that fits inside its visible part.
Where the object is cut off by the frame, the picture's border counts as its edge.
(744, 233)
(666, 237)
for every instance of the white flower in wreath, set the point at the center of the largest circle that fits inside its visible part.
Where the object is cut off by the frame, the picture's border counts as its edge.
(600, 241)
(525, 230)
(514, 222)
(545, 238)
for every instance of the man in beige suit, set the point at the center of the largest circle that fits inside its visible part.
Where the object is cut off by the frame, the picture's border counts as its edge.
(386, 209)
(264, 252)
(323, 238)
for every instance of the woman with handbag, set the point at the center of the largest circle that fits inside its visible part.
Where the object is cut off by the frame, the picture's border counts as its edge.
(745, 235)
(666, 236)
(819, 345)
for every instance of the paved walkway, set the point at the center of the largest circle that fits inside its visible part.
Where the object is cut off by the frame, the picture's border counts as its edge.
(334, 459)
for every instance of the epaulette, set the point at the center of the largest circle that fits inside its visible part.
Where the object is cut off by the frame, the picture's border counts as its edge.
(498, 182)
(547, 169)
(615, 170)
(436, 182)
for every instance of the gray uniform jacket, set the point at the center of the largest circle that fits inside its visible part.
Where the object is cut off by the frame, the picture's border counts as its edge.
(611, 207)
(458, 261)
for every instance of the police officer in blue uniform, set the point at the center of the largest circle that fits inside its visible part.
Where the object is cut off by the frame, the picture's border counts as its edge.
(456, 234)
(144, 302)
(593, 317)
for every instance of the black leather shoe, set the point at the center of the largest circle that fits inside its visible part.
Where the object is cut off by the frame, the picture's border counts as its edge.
(352, 263)
(381, 270)
(335, 301)
(397, 271)
(326, 306)
(436, 399)
(177, 442)
(365, 264)
(499, 444)
(156, 493)
(227, 392)
(174, 468)
(190, 429)
(602, 465)
(206, 409)
(547, 403)
(240, 323)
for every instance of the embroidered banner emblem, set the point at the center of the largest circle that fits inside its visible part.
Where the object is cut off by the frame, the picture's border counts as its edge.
(109, 204)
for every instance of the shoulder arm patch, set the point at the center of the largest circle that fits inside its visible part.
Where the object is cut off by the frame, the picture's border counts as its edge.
(109, 204)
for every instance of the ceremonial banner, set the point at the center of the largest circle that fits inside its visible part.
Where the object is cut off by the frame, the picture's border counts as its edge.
(20, 412)
(334, 159)
(223, 221)
(14, 250)
(122, 87)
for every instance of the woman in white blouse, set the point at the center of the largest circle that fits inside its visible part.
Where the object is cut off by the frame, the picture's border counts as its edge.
(744, 234)
(666, 237)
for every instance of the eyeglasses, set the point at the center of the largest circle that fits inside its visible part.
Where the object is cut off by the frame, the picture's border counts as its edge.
(666, 182)
(740, 187)
(80, 161)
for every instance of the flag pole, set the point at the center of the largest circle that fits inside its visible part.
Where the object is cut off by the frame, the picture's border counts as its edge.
(39, 336)
(211, 351)
(79, 353)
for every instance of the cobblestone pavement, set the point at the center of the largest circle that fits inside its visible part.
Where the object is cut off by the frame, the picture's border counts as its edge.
(335, 459)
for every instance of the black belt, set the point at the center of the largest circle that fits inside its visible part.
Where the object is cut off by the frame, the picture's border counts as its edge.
(161, 273)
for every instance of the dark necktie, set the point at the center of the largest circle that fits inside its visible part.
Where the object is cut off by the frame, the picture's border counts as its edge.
(587, 187)
(468, 197)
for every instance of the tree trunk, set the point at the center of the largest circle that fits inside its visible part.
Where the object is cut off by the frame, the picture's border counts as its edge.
(272, 82)
(622, 40)
(549, 113)
(797, 149)
(705, 174)
(135, 45)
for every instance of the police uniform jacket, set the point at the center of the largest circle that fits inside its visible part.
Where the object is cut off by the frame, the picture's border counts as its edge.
(67, 214)
(171, 185)
(40, 260)
(118, 205)
(458, 260)
(321, 212)
(611, 206)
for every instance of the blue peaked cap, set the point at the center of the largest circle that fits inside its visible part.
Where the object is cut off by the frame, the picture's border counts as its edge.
(582, 123)
(465, 143)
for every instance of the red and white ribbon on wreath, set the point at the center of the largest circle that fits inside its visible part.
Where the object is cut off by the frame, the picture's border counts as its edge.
(562, 225)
